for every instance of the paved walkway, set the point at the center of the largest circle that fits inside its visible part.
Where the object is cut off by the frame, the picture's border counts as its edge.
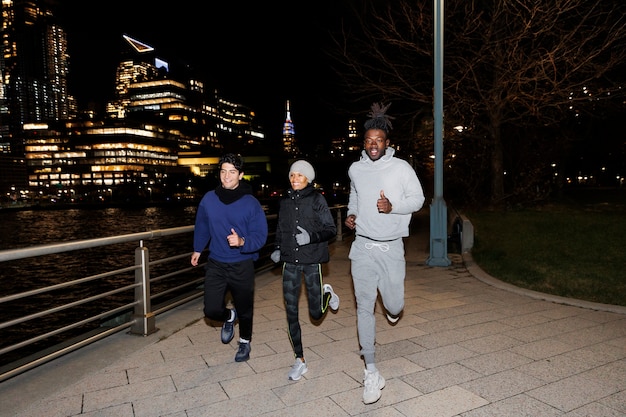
(467, 345)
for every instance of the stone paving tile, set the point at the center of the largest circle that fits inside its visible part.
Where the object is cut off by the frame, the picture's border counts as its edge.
(207, 375)
(518, 406)
(318, 407)
(436, 379)
(97, 400)
(148, 371)
(440, 356)
(447, 402)
(58, 406)
(173, 402)
(489, 343)
(616, 401)
(505, 384)
(495, 362)
(397, 349)
(254, 383)
(570, 393)
(541, 349)
(612, 375)
(255, 404)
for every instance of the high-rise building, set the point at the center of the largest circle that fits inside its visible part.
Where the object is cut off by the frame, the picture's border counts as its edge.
(159, 113)
(289, 134)
(354, 143)
(148, 88)
(33, 69)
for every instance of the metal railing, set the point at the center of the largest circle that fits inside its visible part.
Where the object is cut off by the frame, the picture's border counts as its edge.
(135, 307)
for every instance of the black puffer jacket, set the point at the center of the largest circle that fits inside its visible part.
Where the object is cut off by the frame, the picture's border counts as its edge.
(308, 209)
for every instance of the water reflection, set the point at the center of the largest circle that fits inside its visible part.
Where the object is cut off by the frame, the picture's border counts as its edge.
(21, 229)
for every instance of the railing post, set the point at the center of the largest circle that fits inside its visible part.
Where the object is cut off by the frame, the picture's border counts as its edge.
(143, 318)
(339, 225)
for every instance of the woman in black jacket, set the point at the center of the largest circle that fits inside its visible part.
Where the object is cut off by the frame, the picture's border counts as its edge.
(305, 225)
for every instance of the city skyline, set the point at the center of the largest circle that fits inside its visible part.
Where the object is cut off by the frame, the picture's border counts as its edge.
(152, 131)
(258, 62)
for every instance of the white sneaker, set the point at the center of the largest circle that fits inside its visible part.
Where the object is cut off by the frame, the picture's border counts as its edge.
(393, 319)
(297, 370)
(334, 298)
(373, 382)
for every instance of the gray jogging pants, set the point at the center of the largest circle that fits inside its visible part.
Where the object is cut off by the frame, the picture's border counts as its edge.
(376, 267)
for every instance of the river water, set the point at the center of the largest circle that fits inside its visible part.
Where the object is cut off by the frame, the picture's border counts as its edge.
(21, 229)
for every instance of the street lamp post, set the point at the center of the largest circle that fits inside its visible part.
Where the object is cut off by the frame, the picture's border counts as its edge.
(438, 210)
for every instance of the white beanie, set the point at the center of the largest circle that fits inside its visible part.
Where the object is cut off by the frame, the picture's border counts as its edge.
(304, 168)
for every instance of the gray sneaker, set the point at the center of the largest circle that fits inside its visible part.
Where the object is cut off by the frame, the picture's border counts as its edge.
(374, 383)
(228, 328)
(243, 353)
(298, 369)
(334, 298)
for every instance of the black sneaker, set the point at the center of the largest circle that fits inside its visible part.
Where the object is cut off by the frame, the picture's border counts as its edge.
(243, 354)
(228, 328)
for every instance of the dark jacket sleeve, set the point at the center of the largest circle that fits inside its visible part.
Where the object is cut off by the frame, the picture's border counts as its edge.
(328, 229)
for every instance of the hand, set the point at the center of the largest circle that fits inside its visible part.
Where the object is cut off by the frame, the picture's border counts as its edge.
(234, 240)
(275, 256)
(383, 204)
(194, 258)
(303, 238)
(350, 222)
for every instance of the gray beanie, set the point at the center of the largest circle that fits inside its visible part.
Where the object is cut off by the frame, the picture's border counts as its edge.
(304, 168)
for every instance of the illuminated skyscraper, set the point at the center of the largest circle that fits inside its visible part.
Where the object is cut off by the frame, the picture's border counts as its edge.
(139, 64)
(289, 135)
(33, 70)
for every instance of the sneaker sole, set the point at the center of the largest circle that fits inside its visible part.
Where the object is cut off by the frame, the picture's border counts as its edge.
(300, 377)
(372, 402)
(393, 320)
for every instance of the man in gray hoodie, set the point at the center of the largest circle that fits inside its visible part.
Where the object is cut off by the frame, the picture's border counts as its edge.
(384, 194)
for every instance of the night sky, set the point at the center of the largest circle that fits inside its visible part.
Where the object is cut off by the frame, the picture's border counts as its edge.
(259, 54)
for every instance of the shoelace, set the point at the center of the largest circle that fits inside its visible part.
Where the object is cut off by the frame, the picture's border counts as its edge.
(382, 246)
(371, 382)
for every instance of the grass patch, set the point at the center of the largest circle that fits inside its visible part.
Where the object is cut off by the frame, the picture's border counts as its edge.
(574, 247)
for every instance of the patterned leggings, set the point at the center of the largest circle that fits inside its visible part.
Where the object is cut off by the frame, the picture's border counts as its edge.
(318, 301)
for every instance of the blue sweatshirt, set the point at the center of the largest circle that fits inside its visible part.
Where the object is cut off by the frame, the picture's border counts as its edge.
(214, 219)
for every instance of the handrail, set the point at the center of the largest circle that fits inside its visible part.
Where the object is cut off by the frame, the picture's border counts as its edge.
(48, 249)
(137, 313)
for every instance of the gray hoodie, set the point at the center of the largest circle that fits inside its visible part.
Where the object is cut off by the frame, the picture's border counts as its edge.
(401, 186)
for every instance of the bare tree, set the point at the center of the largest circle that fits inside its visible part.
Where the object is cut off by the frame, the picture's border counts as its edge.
(510, 67)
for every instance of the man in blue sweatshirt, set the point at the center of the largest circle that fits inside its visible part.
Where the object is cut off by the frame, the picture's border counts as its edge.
(384, 193)
(231, 221)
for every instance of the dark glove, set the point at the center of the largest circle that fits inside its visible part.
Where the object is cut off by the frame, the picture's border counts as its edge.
(275, 256)
(303, 238)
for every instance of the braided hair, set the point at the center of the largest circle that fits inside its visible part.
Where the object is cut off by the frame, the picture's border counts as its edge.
(378, 119)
